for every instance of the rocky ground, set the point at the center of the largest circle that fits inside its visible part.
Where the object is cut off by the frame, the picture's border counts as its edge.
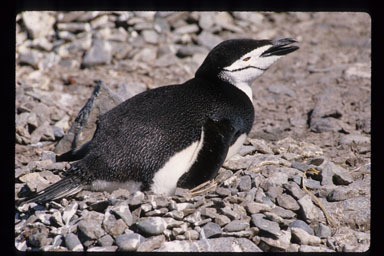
(313, 110)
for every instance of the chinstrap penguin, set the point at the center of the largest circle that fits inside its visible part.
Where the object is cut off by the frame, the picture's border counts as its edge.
(175, 135)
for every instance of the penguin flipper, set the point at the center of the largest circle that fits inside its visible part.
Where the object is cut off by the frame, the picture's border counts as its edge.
(74, 154)
(65, 187)
(217, 136)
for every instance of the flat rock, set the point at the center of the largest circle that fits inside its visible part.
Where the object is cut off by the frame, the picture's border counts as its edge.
(302, 237)
(152, 226)
(287, 202)
(99, 53)
(129, 242)
(301, 224)
(263, 224)
(73, 243)
(223, 244)
(211, 230)
(309, 210)
(236, 225)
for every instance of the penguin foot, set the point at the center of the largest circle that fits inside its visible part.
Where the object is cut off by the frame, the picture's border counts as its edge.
(205, 187)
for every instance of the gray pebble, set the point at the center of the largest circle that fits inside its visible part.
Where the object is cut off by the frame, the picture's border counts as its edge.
(294, 190)
(301, 224)
(39, 236)
(111, 248)
(245, 183)
(99, 53)
(302, 237)
(152, 226)
(223, 191)
(69, 212)
(309, 211)
(222, 220)
(265, 225)
(287, 202)
(211, 230)
(236, 225)
(150, 36)
(121, 209)
(281, 89)
(338, 194)
(129, 242)
(136, 198)
(106, 240)
(191, 235)
(90, 225)
(323, 231)
(151, 244)
(73, 243)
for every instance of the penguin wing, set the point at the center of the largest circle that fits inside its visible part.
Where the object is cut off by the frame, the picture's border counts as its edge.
(217, 137)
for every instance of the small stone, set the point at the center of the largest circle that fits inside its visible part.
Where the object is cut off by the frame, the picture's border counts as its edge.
(281, 244)
(194, 217)
(323, 231)
(245, 183)
(236, 225)
(69, 212)
(106, 240)
(254, 207)
(224, 192)
(281, 89)
(151, 244)
(99, 53)
(287, 214)
(211, 230)
(301, 224)
(208, 40)
(287, 202)
(309, 210)
(73, 243)
(222, 220)
(150, 36)
(90, 225)
(129, 242)
(302, 237)
(136, 198)
(187, 29)
(111, 248)
(39, 236)
(122, 209)
(209, 212)
(341, 176)
(265, 225)
(152, 226)
(191, 235)
(230, 213)
(338, 194)
(261, 146)
(309, 248)
(294, 190)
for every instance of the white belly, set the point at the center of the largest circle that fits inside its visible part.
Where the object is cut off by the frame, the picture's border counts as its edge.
(165, 180)
(236, 146)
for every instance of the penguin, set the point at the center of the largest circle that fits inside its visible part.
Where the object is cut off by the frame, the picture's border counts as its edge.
(175, 135)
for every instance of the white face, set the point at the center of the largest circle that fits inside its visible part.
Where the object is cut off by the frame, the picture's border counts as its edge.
(248, 67)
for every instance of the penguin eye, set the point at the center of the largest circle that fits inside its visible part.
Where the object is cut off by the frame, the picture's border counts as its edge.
(247, 59)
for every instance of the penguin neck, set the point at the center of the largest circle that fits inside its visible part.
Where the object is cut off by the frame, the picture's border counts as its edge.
(246, 88)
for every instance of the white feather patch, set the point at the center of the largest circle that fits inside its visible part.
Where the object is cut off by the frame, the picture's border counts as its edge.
(165, 180)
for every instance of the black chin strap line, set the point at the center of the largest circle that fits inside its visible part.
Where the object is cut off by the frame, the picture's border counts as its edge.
(239, 69)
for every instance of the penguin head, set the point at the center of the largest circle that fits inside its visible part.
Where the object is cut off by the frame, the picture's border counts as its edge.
(240, 61)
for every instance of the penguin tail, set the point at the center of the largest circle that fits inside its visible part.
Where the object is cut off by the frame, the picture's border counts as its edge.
(66, 187)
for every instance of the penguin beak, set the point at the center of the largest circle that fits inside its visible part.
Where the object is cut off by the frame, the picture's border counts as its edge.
(278, 47)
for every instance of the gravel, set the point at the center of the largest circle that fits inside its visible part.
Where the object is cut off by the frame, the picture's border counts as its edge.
(312, 111)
